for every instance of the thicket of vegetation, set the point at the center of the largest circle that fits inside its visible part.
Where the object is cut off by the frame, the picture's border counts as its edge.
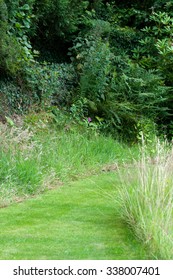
(40, 156)
(89, 69)
(109, 61)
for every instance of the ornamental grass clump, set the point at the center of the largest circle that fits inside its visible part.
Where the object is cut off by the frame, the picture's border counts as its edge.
(146, 199)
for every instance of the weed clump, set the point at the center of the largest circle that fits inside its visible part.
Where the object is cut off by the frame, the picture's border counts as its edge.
(146, 199)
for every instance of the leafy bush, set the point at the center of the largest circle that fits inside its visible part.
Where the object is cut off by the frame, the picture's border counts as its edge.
(118, 72)
(51, 83)
(15, 23)
(155, 52)
(9, 47)
(134, 94)
(96, 68)
(115, 90)
(14, 98)
(65, 85)
(42, 84)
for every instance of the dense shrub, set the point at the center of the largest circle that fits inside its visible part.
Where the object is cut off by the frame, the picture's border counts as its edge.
(14, 99)
(114, 91)
(9, 47)
(51, 83)
(118, 67)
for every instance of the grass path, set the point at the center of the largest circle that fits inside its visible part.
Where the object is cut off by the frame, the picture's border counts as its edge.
(76, 221)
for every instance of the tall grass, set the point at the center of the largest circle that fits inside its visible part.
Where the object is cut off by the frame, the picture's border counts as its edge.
(35, 158)
(146, 199)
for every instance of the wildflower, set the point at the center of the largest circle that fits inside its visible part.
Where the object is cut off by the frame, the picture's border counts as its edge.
(89, 119)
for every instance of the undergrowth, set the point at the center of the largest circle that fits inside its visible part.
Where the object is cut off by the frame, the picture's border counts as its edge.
(41, 155)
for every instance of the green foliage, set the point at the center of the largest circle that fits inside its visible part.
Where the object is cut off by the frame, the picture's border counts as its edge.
(94, 78)
(124, 40)
(65, 85)
(43, 84)
(19, 25)
(134, 94)
(15, 46)
(14, 98)
(10, 55)
(9, 46)
(116, 90)
(109, 46)
(42, 81)
(155, 50)
(64, 20)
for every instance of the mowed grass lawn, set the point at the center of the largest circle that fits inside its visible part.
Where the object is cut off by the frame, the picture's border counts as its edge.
(72, 222)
